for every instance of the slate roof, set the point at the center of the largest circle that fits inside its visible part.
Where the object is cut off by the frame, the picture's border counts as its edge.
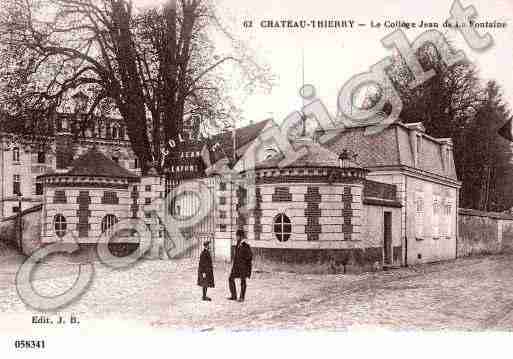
(392, 147)
(95, 163)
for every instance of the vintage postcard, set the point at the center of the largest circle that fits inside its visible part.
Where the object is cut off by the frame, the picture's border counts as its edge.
(221, 177)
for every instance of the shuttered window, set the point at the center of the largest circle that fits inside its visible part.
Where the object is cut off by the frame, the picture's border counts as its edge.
(419, 215)
(435, 223)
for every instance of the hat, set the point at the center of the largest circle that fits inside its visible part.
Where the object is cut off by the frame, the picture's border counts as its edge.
(206, 243)
(240, 233)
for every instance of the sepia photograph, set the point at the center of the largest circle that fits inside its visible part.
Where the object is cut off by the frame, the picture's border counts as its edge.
(246, 175)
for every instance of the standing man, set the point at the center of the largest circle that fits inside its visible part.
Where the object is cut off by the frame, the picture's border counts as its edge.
(205, 270)
(241, 266)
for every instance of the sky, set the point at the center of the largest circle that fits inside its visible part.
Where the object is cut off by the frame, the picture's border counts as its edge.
(333, 56)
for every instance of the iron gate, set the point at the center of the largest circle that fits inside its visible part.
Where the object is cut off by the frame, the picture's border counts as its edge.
(196, 235)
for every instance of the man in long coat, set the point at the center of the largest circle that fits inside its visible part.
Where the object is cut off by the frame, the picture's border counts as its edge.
(241, 266)
(205, 270)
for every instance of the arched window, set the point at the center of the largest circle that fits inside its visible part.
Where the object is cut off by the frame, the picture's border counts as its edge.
(115, 132)
(108, 221)
(59, 223)
(282, 227)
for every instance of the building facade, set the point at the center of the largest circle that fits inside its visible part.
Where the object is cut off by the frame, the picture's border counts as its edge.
(23, 158)
(384, 199)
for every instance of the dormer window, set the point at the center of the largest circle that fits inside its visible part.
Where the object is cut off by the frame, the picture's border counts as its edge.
(115, 132)
(16, 154)
(41, 157)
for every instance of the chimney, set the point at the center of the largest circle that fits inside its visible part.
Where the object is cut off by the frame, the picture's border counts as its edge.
(446, 148)
(63, 150)
(64, 137)
(416, 130)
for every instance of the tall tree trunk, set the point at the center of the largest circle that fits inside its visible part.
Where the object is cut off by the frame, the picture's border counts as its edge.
(130, 98)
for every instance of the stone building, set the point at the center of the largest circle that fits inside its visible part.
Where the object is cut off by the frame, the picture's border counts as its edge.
(396, 203)
(94, 193)
(24, 158)
(322, 209)
(386, 199)
(423, 171)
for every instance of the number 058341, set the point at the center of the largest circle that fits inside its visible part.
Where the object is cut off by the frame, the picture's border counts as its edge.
(29, 344)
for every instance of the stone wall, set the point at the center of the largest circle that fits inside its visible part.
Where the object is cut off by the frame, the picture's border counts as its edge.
(483, 232)
(317, 212)
(30, 227)
(84, 209)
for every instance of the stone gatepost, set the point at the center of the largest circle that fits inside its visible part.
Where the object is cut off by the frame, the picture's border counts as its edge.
(150, 200)
(226, 216)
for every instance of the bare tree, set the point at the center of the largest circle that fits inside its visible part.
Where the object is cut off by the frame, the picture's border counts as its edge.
(155, 65)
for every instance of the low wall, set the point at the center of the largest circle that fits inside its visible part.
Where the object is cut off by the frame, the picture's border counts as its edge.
(483, 232)
(320, 260)
(30, 228)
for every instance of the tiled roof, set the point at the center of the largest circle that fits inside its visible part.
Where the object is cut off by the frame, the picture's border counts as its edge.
(316, 156)
(95, 163)
(243, 137)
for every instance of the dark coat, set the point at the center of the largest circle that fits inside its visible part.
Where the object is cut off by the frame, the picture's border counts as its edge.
(242, 261)
(205, 270)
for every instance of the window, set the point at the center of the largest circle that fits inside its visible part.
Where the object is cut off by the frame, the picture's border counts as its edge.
(15, 209)
(147, 188)
(60, 225)
(282, 227)
(222, 227)
(177, 210)
(110, 197)
(16, 185)
(122, 133)
(136, 164)
(108, 221)
(447, 209)
(147, 214)
(41, 157)
(59, 197)
(419, 144)
(222, 200)
(147, 201)
(115, 132)
(222, 186)
(419, 215)
(16, 154)
(39, 188)
(222, 214)
(435, 224)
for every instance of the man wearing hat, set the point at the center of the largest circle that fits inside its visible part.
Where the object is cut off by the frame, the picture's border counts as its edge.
(206, 270)
(241, 266)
